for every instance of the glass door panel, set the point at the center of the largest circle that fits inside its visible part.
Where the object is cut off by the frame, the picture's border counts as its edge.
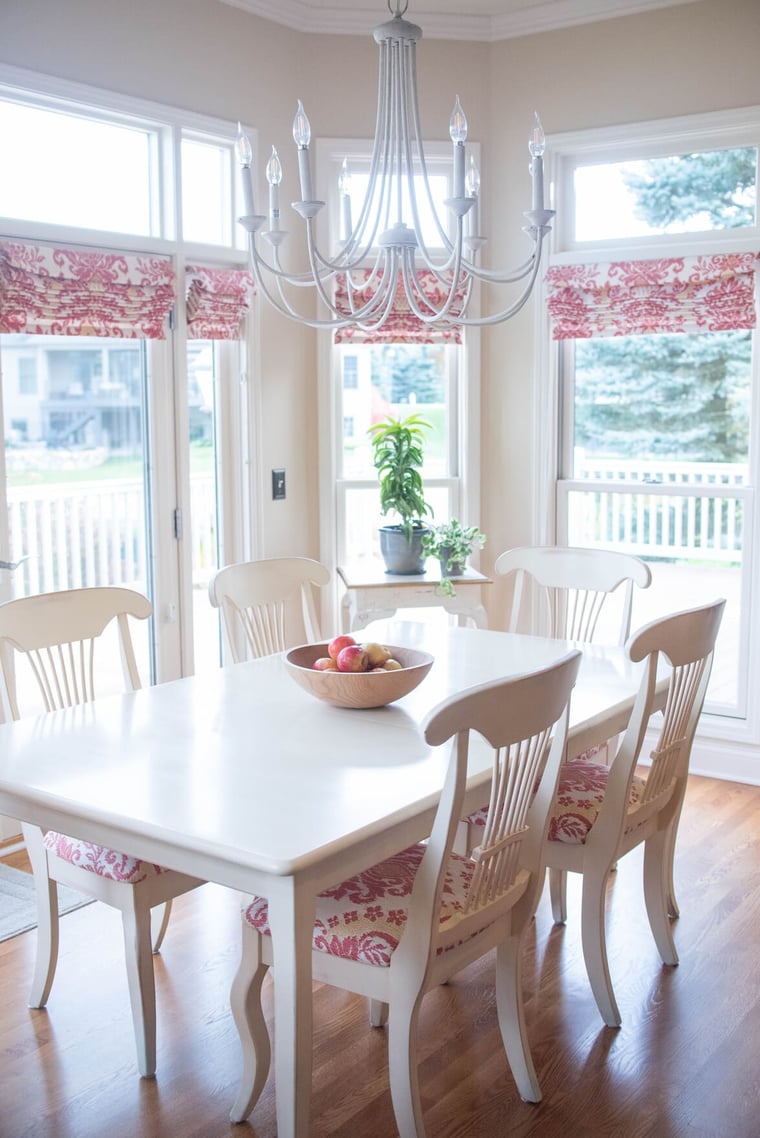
(75, 472)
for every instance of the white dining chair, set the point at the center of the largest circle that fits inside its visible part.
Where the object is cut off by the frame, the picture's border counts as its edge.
(603, 812)
(60, 636)
(571, 587)
(268, 605)
(406, 925)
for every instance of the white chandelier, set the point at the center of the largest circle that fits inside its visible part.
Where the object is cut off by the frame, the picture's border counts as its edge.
(386, 245)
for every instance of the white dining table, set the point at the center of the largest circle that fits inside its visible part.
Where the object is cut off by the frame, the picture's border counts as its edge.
(245, 779)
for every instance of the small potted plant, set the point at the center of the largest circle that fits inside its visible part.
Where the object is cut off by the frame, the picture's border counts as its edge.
(452, 543)
(398, 456)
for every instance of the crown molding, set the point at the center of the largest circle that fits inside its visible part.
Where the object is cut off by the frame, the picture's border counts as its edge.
(525, 17)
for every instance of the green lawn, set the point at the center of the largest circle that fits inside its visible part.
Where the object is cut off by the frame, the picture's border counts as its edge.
(121, 467)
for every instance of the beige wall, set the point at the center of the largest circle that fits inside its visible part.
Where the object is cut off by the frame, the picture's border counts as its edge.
(215, 59)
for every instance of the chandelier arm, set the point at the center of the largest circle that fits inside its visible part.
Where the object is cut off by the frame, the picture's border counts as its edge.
(489, 276)
(378, 158)
(506, 313)
(414, 293)
(387, 283)
(415, 110)
(366, 311)
(434, 315)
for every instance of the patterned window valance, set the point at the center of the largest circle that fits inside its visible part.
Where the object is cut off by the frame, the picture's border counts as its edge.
(402, 326)
(677, 294)
(77, 292)
(217, 301)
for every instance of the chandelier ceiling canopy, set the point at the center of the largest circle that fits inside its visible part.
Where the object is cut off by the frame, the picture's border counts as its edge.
(385, 249)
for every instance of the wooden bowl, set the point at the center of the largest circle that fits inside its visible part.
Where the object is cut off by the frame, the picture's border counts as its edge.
(358, 689)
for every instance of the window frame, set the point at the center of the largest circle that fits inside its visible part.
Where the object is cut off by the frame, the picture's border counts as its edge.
(714, 131)
(463, 487)
(168, 473)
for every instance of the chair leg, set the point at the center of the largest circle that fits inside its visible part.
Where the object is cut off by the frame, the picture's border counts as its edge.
(657, 882)
(558, 894)
(594, 940)
(669, 856)
(159, 922)
(141, 981)
(378, 1013)
(245, 1001)
(402, 1066)
(46, 890)
(511, 1013)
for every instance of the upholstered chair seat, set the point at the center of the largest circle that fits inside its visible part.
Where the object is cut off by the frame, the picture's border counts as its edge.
(101, 860)
(363, 918)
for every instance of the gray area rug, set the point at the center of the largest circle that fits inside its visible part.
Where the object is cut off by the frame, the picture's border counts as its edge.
(18, 904)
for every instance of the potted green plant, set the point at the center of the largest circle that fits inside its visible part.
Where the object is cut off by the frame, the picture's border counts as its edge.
(452, 543)
(398, 456)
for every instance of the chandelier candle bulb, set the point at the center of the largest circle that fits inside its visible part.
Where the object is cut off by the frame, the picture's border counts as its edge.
(302, 138)
(245, 157)
(537, 146)
(458, 132)
(274, 177)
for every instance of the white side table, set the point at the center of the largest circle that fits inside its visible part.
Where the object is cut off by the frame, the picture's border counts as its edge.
(372, 594)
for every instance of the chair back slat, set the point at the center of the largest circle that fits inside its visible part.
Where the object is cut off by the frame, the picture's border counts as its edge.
(686, 642)
(268, 606)
(518, 717)
(573, 586)
(57, 633)
(670, 756)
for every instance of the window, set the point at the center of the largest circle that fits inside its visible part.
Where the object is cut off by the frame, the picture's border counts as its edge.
(361, 382)
(207, 215)
(658, 196)
(350, 372)
(396, 379)
(27, 375)
(107, 169)
(651, 294)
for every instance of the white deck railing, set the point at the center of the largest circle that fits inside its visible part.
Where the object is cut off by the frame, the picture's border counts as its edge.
(92, 533)
(80, 534)
(700, 513)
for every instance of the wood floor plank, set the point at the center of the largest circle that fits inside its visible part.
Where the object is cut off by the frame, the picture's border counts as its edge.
(685, 1064)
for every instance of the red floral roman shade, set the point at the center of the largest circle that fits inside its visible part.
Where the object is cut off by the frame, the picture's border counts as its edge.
(402, 326)
(678, 294)
(217, 301)
(78, 292)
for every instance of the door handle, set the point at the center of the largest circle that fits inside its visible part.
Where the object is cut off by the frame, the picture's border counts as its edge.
(14, 564)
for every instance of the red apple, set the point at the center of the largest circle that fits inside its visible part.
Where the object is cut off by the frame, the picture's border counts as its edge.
(338, 643)
(377, 653)
(352, 658)
(325, 664)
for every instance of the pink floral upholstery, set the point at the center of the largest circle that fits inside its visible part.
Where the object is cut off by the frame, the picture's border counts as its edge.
(363, 918)
(100, 859)
(597, 754)
(580, 793)
(593, 754)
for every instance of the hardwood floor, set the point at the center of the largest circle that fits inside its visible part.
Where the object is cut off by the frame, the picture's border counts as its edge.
(685, 1064)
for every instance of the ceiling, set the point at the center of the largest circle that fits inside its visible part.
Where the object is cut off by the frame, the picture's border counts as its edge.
(485, 20)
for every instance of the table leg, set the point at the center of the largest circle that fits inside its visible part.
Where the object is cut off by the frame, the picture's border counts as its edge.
(291, 919)
(466, 610)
